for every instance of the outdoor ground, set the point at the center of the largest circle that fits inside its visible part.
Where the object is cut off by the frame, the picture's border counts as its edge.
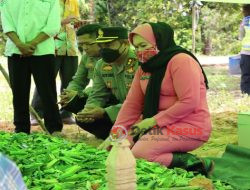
(224, 99)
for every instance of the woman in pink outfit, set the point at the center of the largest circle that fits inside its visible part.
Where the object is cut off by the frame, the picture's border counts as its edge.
(169, 91)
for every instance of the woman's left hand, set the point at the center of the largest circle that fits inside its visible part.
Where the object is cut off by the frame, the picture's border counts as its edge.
(144, 125)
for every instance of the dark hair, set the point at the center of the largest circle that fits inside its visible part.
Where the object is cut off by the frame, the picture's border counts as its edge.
(246, 10)
(88, 29)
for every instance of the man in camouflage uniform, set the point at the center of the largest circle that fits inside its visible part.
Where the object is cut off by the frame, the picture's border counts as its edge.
(74, 97)
(113, 76)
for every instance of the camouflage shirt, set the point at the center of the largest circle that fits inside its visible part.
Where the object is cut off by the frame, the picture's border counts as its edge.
(112, 80)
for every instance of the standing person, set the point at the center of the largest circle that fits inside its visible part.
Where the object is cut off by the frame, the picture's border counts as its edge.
(113, 75)
(10, 176)
(245, 50)
(169, 90)
(30, 26)
(66, 55)
(74, 97)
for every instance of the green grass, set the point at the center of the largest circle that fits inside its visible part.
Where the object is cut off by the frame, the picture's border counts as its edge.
(219, 79)
(6, 110)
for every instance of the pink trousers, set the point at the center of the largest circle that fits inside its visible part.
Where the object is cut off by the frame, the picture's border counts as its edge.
(160, 147)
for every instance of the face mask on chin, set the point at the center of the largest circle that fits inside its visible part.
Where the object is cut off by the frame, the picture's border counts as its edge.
(110, 55)
(145, 55)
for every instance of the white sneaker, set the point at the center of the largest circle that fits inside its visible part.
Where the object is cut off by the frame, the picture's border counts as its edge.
(33, 121)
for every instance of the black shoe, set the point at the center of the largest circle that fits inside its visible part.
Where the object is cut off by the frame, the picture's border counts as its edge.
(22, 131)
(208, 166)
(192, 163)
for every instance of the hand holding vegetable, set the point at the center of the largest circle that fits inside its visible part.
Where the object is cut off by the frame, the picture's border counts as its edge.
(90, 114)
(66, 96)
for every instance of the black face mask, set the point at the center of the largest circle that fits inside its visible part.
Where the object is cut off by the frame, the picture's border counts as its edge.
(110, 55)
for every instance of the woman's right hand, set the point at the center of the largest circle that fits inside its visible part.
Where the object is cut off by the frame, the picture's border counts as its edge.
(106, 144)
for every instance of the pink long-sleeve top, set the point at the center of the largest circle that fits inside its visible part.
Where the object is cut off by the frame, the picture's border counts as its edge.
(182, 98)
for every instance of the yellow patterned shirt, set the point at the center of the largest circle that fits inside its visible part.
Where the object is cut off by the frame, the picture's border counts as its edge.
(65, 41)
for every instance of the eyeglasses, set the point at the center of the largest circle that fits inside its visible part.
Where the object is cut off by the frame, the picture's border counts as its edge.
(86, 44)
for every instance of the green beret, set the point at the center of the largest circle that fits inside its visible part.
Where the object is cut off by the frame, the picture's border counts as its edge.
(108, 34)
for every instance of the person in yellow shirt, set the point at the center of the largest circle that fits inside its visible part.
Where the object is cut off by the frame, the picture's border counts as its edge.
(66, 54)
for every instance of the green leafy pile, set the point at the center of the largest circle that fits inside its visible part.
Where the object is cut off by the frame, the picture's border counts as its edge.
(53, 163)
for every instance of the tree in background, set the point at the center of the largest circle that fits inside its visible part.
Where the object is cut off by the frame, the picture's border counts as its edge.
(130, 13)
(217, 30)
(85, 8)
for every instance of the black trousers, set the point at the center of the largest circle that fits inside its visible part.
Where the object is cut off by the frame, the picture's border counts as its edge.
(100, 127)
(76, 105)
(245, 73)
(66, 66)
(43, 70)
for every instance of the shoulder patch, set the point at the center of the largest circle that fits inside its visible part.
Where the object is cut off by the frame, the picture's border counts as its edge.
(130, 66)
(131, 61)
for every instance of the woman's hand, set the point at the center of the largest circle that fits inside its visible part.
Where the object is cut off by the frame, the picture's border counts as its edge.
(106, 144)
(141, 127)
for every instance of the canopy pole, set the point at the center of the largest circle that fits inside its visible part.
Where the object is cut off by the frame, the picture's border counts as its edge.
(92, 8)
(195, 6)
(193, 27)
